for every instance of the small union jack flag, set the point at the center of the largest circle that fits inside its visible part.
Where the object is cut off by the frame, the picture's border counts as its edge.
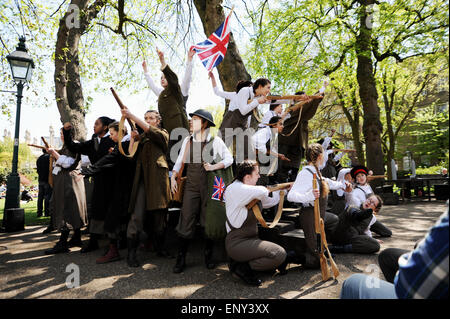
(212, 51)
(218, 188)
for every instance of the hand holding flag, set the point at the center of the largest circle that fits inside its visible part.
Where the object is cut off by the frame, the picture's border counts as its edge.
(212, 51)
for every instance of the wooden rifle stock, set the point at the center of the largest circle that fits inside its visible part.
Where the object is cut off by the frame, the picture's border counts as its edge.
(37, 146)
(344, 150)
(122, 106)
(271, 189)
(370, 177)
(320, 248)
(45, 142)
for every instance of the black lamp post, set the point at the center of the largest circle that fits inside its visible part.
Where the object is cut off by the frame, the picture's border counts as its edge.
(21, 68)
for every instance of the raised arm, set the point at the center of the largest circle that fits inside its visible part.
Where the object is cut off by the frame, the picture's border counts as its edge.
(186, 82)
(219, 92)
(158, 136)
(156, 89)
(242, 101)
(79, 147)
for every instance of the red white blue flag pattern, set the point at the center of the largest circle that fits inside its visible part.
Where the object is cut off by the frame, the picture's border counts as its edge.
(212, 51)
(218, 188)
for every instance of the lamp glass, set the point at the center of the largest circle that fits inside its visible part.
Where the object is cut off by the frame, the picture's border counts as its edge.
(19, 69)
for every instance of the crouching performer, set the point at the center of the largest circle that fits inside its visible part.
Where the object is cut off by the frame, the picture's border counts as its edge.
(246, 250)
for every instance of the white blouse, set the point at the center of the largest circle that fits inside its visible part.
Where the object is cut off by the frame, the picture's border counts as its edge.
(302, 190)
(357, 196)
(237, 195)
(219, 148)
(64, 162)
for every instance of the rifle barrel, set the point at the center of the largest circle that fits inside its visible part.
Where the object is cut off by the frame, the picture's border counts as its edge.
(122, 106)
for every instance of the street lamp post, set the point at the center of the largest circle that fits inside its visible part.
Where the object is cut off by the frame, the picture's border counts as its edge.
(21, 68)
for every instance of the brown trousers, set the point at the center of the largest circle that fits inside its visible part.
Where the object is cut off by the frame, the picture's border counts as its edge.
(243, 245)
(140, 215)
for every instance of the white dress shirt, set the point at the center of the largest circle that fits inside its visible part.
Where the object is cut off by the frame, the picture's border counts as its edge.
(341, 178)
(64, 162)
(338, 156)
(302, 190)
(260, 138)
(99, 139)
(237, 195)
(219, 148)
(358, 196)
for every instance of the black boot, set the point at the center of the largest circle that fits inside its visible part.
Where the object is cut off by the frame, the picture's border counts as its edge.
(208, 254)
(61, 246)
(291, 258)
(122, 242)
(132, 248)
(244, 272)
(75, 241)
(91, 245)
(339, 249)
(49, 229)
(161, 251)
(181, 257)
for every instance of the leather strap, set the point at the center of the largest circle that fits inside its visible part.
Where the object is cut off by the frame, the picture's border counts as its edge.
(135, 145)
(180, 173)
(276, 220)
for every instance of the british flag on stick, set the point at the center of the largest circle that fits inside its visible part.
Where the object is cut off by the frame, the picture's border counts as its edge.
(212, 51)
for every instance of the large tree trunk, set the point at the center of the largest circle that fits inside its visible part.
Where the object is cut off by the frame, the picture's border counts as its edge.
(68, 90)
(372, 127)
(232, 69)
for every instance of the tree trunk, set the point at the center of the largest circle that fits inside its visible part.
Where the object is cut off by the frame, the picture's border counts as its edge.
(232, 69)
(68, 90)
(372, 127)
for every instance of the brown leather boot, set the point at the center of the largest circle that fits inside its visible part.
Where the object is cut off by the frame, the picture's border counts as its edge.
(111, 255)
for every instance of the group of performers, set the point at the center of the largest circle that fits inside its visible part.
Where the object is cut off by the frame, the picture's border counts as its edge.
(137, 175)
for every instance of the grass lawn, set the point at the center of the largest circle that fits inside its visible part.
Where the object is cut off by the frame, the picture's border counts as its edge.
(30, 213)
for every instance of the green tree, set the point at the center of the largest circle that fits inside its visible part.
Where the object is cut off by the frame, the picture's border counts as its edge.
(301, 42)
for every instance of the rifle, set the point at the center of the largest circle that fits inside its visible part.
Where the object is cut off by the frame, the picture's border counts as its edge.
(37, 146)
(317, 219)
(371, 177)
(252, 205)
(132, 126)
(122, 106)
(303, 97)
(272, 188)
(344, 150)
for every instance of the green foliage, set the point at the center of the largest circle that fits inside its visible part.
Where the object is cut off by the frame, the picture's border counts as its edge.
(429, 170)
(26, 162)
(30, 213)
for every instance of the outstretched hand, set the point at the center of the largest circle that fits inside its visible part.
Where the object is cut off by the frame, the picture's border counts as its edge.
(67, 126)
(348, 187)
(144, 66)
(191, 54)
(126, 112)
(161, 56)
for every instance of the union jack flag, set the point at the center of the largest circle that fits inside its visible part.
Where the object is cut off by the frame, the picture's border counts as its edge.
(218, 188)
(212, 51)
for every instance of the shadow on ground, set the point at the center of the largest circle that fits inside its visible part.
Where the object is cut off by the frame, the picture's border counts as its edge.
(27, 273)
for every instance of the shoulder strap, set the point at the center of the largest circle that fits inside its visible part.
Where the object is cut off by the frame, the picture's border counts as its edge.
(318, 177)
(362, 190)
(180, 173)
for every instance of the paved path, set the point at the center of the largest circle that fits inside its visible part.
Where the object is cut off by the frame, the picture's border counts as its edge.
(25, 272)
